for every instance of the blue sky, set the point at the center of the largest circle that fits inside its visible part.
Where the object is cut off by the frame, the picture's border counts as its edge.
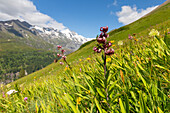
(82, 16)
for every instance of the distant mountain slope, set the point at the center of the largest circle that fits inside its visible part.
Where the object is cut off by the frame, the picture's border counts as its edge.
(41, 37)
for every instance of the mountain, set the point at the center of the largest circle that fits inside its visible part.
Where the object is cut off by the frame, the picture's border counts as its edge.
(43, 37)
(68, 39)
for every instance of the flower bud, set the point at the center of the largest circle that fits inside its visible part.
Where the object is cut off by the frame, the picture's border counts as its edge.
(25, 99)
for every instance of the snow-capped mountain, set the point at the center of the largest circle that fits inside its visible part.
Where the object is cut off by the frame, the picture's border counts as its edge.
(68, 39)
(43, 37)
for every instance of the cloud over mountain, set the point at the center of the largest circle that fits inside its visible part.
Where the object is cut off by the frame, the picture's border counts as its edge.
(130, 14)
(25, 10)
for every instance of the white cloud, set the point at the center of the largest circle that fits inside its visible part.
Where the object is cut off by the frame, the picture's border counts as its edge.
(25, 10)
(130, 14)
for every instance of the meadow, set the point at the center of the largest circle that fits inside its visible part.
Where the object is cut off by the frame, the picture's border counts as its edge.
(133, 79)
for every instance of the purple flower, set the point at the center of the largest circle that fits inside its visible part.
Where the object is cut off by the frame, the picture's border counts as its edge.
(109, 44)
(130, 37)
(110, 51)
(99, 50)
(101, 35)
(94, 48)
(26, 98)
(63, 51)
(58, 55)
(58, 46)
(168, 32)
(104, 29)
(80, 69)
(106, 35)
(101, 40)
(64, 58)
(3, 95)
(61, 63)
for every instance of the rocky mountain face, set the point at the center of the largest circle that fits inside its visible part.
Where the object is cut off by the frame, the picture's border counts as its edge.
(42, 37)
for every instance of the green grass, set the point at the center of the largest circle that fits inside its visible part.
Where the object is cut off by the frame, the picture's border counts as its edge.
(137, 82)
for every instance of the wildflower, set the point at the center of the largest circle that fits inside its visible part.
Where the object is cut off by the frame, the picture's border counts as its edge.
(110, 51)
(108, 59)
(106, 35)
(78, 100)
(88, 92)
(58, 46)
(154, 33)
(168, 32)
(8, 85)
(104, 29)
(11, 91)
(109, 44)
(99, 50)
(34, 77)
(130, 37)
(120, 43)
(113, 45)
(88, 58)
(80, 69)
(9, 102)
(61, 63)
(95, 49)
(101, 40)
(66, 68)
(136, 39)
(3, 95)
(112, 41)
(64, 58)
(63, 51)
(59, 55)
(25, 99)
(80, 60)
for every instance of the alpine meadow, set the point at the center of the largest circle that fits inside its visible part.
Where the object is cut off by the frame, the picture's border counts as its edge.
(126, 70)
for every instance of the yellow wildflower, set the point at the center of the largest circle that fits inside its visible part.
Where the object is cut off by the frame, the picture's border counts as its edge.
(66, 68)
(88, 92)
(136, 39)
(34, 77)
(113, 45)
(112, 41)
(80, 60)
(120, 43)
(108, 59)
(88, 58)
(9, 102)
(78, 100)
(8, 85)
(154, 32)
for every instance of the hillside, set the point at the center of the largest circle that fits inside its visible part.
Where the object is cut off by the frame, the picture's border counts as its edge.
(137, 78)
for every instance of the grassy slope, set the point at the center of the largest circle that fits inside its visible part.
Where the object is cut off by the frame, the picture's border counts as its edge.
(141, 27)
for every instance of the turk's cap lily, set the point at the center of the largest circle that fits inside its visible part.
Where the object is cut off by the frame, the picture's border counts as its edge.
(130, 37)
(109, 51)
(64, 57)
(109, 44)
(104, 29)
(94, 48)
(63, 50)
(106, 35)
(11, 91)
(58, 46)
(59, 55)
(101, 40)
(99, 50)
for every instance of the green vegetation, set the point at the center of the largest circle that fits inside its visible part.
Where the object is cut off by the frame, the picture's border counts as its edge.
(14, 54)
(137, 76)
